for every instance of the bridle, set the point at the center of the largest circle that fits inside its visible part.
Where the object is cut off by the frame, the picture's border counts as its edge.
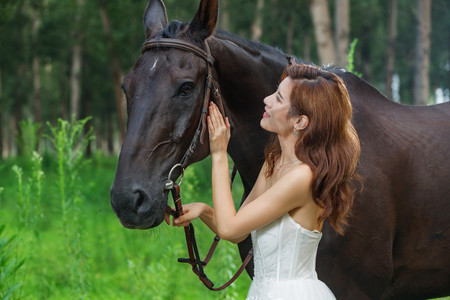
(209, 85)
(194, 259)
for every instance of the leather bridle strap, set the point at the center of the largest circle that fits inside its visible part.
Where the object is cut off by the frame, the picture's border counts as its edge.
(209, 84)
(178, 44)
(194, 259)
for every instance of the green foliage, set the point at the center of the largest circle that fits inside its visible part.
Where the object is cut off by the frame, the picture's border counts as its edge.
(70, 142)
(9, 265)
(350, 58)
(30, 193)
(74, 245)
(29, 136)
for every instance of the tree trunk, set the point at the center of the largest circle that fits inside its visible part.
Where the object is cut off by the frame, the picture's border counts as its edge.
(342, 31)
(37, 104)
(257, 29)
(110, 137)
(116, 72)
(224, 19)
(307, 46)
(422, 53)
(77, 60)
(290, 34)
(87, 111)
(322, 28)
(390, 53)
(274, 19)
(18, 113)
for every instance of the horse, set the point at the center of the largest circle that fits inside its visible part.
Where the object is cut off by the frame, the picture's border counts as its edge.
(398, 240)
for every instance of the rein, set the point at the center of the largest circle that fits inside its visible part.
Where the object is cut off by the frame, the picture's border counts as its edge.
(194, 259)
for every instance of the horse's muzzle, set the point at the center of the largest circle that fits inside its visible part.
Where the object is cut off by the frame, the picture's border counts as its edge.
(136, 209)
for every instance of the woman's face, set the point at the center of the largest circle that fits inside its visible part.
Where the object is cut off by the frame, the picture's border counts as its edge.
(275, 118)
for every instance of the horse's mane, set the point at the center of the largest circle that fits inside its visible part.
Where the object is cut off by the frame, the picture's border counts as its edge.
(261, 47)
(175, 26)
(256, 46)
(171, 30)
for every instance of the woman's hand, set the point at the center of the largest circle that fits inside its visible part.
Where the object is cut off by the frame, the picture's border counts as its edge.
(219, 131)
(190, 211)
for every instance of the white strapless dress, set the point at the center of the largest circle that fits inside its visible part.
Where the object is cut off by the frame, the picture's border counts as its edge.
(285, 263)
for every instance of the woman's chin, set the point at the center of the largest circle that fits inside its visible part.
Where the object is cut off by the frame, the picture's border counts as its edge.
(262, 124)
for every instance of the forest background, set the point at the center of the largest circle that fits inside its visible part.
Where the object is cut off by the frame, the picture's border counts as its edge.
(62, 121)
(67, 57)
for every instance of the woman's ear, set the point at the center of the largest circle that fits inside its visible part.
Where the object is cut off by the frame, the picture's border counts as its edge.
(302, 122)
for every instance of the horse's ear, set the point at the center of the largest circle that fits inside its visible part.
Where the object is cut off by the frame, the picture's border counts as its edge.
(155, 17)
(205, 20)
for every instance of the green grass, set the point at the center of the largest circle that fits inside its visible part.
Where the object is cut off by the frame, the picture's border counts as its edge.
(109, 262)
(59, 238)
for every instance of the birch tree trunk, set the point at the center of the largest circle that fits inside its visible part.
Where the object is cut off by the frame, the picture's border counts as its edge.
(37, 102)
(390, 53)
(257, 30)
(115, 68)
(422, 53)
(342, 31)
(322, 29)
(77, 61)
(307, 46)
(224, 19)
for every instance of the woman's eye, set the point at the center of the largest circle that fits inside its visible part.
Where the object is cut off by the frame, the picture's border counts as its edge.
(186, 89)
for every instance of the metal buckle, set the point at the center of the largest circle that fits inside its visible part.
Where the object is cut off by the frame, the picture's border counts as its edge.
(169, 183)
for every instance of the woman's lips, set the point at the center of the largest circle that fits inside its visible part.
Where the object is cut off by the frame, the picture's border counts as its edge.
(266, 115)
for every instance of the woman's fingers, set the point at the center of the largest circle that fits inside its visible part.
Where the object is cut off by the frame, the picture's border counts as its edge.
(181, 221)
(216, 116)
(167, 218)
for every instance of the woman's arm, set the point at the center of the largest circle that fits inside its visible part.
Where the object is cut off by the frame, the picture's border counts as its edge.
(288, 193)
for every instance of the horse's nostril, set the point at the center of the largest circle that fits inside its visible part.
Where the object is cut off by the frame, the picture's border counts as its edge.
(139, 200)
(142, 203)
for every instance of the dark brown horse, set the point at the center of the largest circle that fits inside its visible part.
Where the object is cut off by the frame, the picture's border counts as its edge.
(398, 242)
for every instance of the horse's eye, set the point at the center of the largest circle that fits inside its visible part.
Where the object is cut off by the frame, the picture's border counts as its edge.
(186, 89)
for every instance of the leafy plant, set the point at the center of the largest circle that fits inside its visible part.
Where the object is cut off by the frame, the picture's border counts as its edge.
(29, 136)
(70, 142)
(8, 266)
(350, 58)
(30, 192)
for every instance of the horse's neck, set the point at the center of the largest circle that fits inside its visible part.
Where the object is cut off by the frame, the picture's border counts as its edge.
(246, 73)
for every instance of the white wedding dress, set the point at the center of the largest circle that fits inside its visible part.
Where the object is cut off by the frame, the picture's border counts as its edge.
(285, 263)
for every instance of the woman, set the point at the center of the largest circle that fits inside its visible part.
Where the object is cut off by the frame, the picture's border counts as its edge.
(306, 178)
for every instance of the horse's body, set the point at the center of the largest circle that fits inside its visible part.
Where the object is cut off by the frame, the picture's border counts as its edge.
(398, 242)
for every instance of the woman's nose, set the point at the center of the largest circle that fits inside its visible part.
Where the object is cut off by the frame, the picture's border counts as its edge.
(267, 100)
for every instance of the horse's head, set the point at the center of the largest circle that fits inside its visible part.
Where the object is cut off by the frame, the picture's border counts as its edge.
(165, 92)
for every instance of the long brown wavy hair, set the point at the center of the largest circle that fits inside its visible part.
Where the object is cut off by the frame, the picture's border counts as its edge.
(329, 145)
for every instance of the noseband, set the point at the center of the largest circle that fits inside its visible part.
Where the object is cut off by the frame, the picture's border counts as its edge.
(194, 259)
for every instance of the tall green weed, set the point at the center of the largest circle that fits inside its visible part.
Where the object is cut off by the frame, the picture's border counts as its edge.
(30, 193)
(9, 265)
(351, 58)
(70, 141)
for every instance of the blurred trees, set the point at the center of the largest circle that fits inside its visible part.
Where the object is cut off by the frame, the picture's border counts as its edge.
(58, 58)
(322, 28)
(422, 53)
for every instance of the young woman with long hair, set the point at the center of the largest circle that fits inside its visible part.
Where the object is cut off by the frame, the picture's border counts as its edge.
(310, 164)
